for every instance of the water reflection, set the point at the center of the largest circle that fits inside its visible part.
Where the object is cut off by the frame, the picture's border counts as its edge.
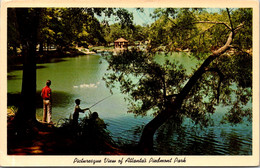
(186, 141)
(20, 67)
(13, 77)
(62, 99)
(236, 144)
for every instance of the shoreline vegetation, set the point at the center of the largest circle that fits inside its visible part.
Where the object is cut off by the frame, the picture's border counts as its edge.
(43, 56)
(87, 138)
(15, 57)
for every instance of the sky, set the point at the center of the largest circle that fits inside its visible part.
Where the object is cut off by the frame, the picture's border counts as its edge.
(141, 18)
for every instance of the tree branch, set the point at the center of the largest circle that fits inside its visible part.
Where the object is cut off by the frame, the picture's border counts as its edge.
(239, 27)
(186, 89)
(230, 19)
(211, 22)
(221, 77)
(225, 47)
(146, 141)
(172, 21)
(230, 38)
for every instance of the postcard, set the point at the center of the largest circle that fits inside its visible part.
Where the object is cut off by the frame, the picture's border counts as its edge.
(136, 83)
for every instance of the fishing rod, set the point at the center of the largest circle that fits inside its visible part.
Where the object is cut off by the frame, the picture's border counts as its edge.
(112, 94)
(90, 112)
(109, 96)
(100, 101)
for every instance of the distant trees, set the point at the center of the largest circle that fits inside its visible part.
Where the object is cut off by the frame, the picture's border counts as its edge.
(68, 27)
(222, 41)
(132, 33)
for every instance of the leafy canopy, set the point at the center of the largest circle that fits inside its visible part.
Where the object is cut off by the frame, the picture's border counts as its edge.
(151, 85)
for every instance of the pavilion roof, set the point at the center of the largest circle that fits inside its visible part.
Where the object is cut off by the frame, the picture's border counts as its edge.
(121, 40)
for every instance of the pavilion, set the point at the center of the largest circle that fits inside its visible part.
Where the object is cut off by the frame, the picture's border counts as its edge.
(121, 43)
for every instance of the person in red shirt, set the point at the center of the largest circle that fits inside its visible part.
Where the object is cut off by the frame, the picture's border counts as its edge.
(47, 99)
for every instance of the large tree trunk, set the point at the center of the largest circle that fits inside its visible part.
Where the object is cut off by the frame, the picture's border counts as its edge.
(146, 141)
(28, 26)
(41, 48)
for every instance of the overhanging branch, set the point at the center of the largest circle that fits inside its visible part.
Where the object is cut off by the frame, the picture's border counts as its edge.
(186, 89)
(230, 19)
(212, 22)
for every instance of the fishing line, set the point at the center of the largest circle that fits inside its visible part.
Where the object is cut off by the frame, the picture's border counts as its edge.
(90, 112)
(109, 96)
(100, 101)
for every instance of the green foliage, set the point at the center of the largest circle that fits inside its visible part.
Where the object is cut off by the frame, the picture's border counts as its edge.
(237, 114)
(132, 34)
(172, 32)
(244, 37)
(91, 135)
(67, 27)
(115, 31)
(11, 111)
(227, 81)
(147, 83)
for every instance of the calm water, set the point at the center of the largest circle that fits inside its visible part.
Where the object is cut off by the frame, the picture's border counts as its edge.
(81, 77)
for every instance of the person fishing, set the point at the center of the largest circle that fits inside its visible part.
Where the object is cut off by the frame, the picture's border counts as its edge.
(94, 119)
(77, 110)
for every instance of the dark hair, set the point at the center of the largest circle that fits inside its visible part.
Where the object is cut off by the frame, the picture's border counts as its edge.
(48, 82)
(94, 115)
(77, 101)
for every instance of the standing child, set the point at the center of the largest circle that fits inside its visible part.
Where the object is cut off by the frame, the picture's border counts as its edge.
(76, 112)
(47, 99)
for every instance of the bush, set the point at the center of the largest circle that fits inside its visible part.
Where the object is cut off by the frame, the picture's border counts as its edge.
(90, 136)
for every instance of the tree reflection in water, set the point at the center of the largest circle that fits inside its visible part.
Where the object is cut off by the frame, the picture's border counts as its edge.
(234, 144)
(187, 140)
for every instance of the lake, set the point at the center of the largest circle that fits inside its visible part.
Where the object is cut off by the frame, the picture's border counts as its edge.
(81, 78)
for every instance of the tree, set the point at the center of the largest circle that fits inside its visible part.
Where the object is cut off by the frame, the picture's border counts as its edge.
(116, 31)
(167, 91)
(140, 33)
(28, 21)
(48, 26)
(132, 34)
